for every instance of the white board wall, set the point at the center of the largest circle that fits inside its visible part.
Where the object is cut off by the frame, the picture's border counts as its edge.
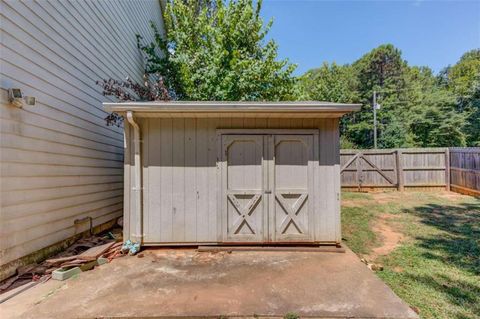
(59, 161)
(180, 192)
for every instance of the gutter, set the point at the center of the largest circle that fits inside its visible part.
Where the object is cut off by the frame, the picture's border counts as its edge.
(137, 234)
(231, 107)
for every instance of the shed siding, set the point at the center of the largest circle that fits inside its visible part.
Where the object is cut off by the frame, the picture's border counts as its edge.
(180, 176)
(59, 161)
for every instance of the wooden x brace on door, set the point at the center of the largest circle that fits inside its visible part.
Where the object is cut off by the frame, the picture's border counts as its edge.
(291, 212)
(244, 212)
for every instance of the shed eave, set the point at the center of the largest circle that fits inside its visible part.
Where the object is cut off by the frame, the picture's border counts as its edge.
(240, 109)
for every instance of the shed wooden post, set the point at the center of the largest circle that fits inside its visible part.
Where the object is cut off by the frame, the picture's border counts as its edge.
(447, 169)
(399, 166)
(137, 224)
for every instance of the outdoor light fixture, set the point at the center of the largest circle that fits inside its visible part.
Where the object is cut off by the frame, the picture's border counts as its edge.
(15, 96)
(30, 100)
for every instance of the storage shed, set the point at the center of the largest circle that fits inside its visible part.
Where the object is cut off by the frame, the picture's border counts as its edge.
(199, 173)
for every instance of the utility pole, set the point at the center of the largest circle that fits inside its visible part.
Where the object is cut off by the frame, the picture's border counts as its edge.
(374, 119)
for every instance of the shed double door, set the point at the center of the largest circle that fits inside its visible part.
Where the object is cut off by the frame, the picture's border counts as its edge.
(267, 188)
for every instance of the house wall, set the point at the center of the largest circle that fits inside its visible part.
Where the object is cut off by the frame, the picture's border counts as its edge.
(59, 161)
(179, 158)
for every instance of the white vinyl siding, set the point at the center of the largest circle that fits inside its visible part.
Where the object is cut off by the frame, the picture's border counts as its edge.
(59, 161)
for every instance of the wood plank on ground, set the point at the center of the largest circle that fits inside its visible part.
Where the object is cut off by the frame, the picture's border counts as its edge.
(60, 260)
(95, 252)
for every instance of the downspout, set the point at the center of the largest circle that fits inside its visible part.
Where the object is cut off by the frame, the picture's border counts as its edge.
(137, 234)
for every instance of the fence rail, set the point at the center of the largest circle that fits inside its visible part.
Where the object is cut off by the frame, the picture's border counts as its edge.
(450, 168)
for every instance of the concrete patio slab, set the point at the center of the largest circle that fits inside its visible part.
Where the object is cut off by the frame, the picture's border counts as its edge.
(189, 283)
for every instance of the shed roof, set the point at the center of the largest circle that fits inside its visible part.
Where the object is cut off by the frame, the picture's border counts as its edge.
(308, 109)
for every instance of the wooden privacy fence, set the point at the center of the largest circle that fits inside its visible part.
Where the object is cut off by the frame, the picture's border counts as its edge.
(458, 168)
(465, 170)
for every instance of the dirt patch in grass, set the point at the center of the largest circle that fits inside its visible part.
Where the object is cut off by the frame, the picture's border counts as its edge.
(389, 237)
(386, 197)
(428, 244)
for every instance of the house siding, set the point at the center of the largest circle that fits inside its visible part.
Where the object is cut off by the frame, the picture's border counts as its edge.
(59, 161)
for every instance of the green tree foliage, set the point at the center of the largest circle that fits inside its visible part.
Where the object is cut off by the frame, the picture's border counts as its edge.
(463, 80)
(434, 121)
(380, 70)
(330, 82)
(216, 50)
(417, 108)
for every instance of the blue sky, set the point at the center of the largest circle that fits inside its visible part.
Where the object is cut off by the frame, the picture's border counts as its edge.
(432, 33)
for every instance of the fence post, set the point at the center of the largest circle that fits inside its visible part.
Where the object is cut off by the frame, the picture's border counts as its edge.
(358, 165)
(447, 169)
(399, 165)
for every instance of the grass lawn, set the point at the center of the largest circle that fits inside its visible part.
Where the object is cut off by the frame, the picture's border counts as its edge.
(435, 265)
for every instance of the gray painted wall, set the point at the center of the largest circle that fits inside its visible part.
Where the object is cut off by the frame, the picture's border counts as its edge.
(59, 161)
(180, 186)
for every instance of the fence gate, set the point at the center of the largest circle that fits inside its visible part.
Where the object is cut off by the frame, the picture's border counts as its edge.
(379, 169)
(400, 168)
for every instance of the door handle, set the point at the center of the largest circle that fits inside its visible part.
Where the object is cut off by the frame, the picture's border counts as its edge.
(268, 192)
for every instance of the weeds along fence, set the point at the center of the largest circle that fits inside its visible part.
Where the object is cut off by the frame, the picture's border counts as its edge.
(456, 169)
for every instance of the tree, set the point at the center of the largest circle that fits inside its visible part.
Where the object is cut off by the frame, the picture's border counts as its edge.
(463, 80)
(417, 109)
(152, 89)
(381, 70)
(435, 122)
(216, 50)
(330, 82)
